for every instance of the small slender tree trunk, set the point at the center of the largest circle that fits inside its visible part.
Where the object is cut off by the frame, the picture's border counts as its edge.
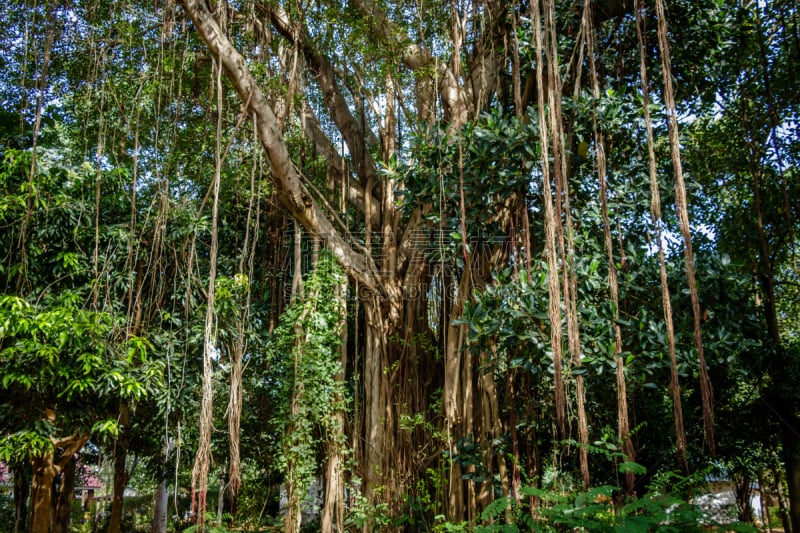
(120, 472)
(297, 276)
(221, 496)
(120, 482)
(294, 495)
(22, 489)
(234, 418)
(161, 499)
(493, 426)
(742, 492)
(64, 502)
(765, 521)
(783, 508)
(516, 464)
(791, 450)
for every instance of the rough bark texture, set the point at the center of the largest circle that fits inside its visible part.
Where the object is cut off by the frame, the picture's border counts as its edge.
(743, 492)
(290, 188)
(375, 357)
(44, 472)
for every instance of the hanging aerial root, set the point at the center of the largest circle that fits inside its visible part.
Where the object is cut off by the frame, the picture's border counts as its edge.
(706, 392)
(655, 214)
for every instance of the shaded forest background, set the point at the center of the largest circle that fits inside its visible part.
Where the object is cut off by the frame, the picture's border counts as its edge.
(466, 265)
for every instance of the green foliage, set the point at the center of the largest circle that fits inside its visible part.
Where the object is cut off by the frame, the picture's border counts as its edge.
(362, 513)
(303, 354)
(57, 356)
(593, 510)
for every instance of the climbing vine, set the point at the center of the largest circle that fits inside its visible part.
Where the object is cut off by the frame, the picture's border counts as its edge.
(303, 350)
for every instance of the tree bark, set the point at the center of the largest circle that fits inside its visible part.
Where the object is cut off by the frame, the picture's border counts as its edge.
(743, 492)
(64, 502)
(454, 401)
(45, 469)
(44, 472)
(290, 187)
(374, 394)
(22, 489)
(791, 452)
(333, 508)
(221, 496)
(783, 508)
(161, 498)
(121, 474)
(294, 494)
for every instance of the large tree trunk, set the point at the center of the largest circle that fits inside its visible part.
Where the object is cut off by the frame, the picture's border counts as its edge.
(45, 469)
(44, 473)
(454, 401)
(375, 396)
(333, 509)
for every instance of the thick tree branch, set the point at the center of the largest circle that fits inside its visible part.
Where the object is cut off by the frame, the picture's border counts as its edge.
(415, 57)
(411, 54)
(352, 130)
(459, 102)
(70, 446)
(324, 146)
(290, 188)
